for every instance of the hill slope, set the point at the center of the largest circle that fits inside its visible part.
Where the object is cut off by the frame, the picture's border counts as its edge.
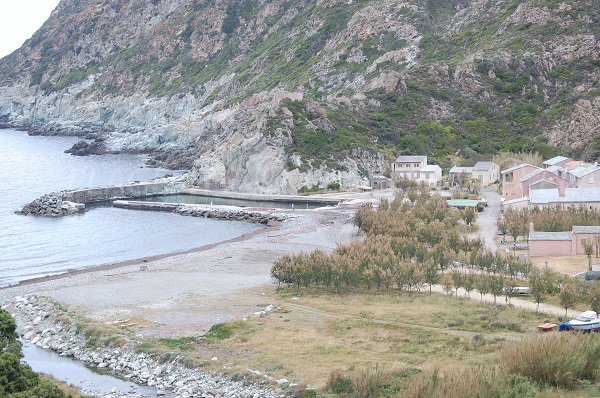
(270, 95)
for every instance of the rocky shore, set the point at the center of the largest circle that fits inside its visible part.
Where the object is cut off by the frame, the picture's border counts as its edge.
(233, 213)
(52, 205)
(41, 323)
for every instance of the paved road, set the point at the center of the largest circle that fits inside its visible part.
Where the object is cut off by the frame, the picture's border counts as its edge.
(487, 219)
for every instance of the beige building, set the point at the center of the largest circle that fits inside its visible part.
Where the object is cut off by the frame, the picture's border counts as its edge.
(487, 173)
(417, 169)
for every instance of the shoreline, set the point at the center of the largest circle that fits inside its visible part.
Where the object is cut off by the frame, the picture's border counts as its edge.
(143, 260)
(186, 292)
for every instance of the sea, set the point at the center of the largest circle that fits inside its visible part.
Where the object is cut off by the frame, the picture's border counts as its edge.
(33, 247)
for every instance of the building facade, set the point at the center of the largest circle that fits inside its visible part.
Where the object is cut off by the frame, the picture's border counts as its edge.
(561, 243)
(417, 169)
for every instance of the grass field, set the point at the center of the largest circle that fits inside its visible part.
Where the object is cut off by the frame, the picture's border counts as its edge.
(311, 336)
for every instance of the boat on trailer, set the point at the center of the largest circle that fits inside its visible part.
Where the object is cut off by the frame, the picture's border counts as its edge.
(586, 321)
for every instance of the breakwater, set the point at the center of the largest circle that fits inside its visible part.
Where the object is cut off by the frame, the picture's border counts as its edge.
(66, 203)
(214, 212)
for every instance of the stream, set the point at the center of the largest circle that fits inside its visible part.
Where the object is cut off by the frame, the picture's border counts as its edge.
(75, 373)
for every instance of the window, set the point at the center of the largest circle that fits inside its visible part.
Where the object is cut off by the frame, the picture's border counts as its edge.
(508, 177)
(416, 165)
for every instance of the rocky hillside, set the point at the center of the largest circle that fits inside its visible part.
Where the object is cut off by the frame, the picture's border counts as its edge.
(273, 95)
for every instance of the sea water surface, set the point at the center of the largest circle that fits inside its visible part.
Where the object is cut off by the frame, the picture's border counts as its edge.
(32, 247)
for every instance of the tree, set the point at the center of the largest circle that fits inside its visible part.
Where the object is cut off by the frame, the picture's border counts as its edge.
(496, 284)
(16, 378)
(593, 297)
(469, 216)
(569, 296)
(482, 285)
(588, 248)
(431, 275)
(538, 287)
(457, 281)
(468, 283)
(447, 284)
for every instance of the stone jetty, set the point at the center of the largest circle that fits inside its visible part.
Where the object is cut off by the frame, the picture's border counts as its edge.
(66, 203)
(52, 205)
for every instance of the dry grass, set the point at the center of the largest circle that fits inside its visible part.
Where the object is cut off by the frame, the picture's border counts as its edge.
(306, 345)
(568, 265)
(561, 360)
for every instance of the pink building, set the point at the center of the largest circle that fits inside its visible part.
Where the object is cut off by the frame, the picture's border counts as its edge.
(518, 181)
(511, 180)
(561, 243)
(543, 179)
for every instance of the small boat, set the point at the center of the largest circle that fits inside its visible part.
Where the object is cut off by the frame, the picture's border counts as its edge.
(588, 320)
(546, 327)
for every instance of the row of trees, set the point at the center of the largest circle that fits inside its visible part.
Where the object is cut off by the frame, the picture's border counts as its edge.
(410, 242)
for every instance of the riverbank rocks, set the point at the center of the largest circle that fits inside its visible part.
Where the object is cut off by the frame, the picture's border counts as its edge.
(233, 213)
(52, 205)
(48, 325)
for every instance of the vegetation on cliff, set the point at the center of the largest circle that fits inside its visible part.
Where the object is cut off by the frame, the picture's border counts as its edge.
(456, 80)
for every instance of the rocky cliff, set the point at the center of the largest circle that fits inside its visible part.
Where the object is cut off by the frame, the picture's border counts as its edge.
(271, 95)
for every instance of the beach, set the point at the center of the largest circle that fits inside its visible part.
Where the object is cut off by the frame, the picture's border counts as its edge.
(184, 294)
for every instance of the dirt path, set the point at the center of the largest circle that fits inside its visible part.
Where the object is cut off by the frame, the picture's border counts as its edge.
(515, 301)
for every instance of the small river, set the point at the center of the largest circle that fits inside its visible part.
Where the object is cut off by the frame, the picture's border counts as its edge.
(76, 374)
(32, 247)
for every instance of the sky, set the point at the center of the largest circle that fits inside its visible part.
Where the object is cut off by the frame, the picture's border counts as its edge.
(19, 19)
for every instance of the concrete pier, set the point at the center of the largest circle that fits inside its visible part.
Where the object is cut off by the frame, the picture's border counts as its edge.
(263, 198)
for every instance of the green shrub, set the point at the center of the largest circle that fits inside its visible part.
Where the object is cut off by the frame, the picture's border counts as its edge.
(338, 383)
(333, 186)
(220, 331)
(592, 276)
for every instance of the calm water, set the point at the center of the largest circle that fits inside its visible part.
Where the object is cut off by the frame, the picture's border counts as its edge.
(207, 200)
(37, 246)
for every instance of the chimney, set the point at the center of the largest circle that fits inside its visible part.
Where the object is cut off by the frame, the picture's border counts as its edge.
(531, 228)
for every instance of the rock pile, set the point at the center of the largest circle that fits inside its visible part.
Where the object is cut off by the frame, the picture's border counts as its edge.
(233, 213)
(52, 205)
(40, 323)
(84, 148)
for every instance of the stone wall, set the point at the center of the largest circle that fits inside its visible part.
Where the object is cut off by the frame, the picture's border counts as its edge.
(138, 190)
